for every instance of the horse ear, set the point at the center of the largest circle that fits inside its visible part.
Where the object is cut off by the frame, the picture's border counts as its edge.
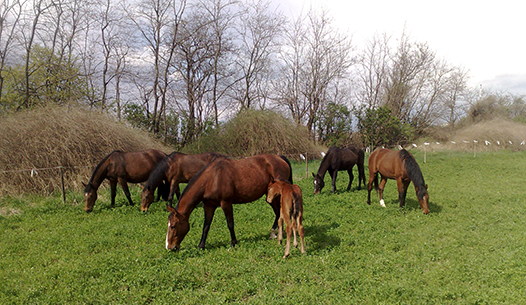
(84, 184)
(425, 187)
(170, 209)
(314, 175)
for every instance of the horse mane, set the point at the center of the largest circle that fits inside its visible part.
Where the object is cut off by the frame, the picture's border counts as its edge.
(90, 185)
(414, 172)
(159, 172)
(323, 166)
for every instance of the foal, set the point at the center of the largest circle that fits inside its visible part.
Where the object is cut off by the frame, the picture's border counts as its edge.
(291, 207)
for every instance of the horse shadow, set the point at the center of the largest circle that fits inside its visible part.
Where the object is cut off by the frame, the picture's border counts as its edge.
(320, 239)
(412, 205)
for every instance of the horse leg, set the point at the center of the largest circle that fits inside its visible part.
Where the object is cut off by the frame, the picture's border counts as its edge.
(113, 188)
(174, 187)
(381, 186)
(334, 174)
(124, 186)
(280, 230)
(229, 214)
(276, 208)
(301, 232)
(209, 210)
(351, 177)
(288, 223)
(372, 177)
(402, 191)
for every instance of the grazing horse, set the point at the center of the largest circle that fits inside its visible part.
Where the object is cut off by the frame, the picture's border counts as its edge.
(222, 183)
(121, 167)
(175, 168)
(291, 207)
(340, 159)
(400, 166)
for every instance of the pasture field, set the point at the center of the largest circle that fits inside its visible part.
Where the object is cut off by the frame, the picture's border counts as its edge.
(470, 249)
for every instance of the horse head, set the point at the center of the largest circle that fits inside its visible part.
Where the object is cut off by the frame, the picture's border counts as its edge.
(318, 183)
(147, 197)
(274, 190)
(90, 194)
(178, 227)
(423, 198)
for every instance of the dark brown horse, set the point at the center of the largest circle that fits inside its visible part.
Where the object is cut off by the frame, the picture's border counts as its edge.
(220, 184)
(340, 159)
(400, 166)
(121, 167)
(174, 169)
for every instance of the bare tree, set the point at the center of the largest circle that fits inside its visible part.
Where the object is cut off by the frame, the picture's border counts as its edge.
(258, 31)
(10, 13)
(317, 58)
(372, 70)
(158, 22)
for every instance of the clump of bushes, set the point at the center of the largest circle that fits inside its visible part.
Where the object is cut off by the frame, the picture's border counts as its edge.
(50, 137)
(254, 132)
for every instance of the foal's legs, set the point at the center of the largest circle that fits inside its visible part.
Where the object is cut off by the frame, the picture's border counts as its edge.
(276, 208)
(124, 186)
(285, 215)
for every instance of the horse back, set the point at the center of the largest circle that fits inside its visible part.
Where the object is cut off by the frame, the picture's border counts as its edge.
(134, 167)
(243, 180)
(388, 163)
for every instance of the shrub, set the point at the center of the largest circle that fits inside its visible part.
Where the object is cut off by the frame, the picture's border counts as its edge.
(254, 132)
(51, 137)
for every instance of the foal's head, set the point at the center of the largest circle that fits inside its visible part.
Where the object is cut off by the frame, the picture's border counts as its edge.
(274, 190)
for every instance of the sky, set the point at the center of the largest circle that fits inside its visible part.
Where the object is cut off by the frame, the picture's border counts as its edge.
(487, 38)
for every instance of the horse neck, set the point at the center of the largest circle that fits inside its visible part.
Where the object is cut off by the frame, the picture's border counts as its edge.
(324, 166)
(99, 174)
(190, 198)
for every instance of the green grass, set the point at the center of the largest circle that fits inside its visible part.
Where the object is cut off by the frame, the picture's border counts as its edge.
(471, 248)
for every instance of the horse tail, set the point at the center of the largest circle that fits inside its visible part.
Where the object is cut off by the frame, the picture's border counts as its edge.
(361, 167)
(297, 203)
(290, 167)
(375, 181)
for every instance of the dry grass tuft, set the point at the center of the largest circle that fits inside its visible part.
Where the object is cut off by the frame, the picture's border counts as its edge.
(48, 138)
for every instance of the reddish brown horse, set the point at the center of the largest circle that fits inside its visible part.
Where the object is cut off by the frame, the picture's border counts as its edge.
(340, 159)
(400, 166)
(121, 167)
(220, 184)
(174, 169)
(291, 202)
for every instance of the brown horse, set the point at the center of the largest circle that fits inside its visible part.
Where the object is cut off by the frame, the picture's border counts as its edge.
(340, 159)
(291, 207)
(175, 168)
(400, 166)
(222, 183)
(121, 167)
